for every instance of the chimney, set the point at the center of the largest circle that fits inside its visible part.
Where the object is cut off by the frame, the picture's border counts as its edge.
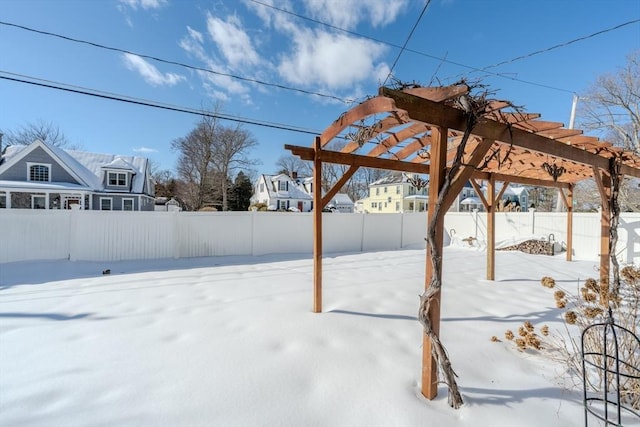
(294, 175)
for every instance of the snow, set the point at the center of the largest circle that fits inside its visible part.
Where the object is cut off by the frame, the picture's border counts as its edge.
(232, 341)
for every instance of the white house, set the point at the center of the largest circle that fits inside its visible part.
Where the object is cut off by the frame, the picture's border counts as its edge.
(282, 192)
(514, 198)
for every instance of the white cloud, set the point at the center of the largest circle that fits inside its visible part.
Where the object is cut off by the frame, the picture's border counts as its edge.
(145, 150)
(332, 61)
(232, 41)
(195, 35)
(144, 4)
(192, 43)
(149, 72)
(348, 14)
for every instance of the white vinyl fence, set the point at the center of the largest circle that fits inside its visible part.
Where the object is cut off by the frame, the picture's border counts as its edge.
(109, 236)
(514, 226)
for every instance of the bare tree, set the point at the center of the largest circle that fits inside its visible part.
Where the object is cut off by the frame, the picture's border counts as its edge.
(208, 155)
(195, 153)
(230, 149)
(44, 131)
(611, 105)
(288, 164)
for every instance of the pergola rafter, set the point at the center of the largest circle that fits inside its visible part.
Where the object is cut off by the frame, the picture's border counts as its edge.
(419, 130)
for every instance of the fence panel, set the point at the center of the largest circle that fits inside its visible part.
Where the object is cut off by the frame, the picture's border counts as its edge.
(27, 234)
(116, 236)
(382, 232)
(342, 232)
(202, 234)
(282, 232)
(414, 229)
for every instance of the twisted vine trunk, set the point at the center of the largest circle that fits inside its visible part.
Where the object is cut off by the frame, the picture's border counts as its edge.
(438, 351)
(614, 206)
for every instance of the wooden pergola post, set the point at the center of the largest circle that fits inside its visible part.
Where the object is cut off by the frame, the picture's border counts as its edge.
(491, 227)
(317, 227)
(603, 182)
(569, 203)
(436, 179)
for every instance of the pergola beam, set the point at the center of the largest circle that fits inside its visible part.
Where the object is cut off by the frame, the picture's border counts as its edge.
(337, 157)
(437, 114)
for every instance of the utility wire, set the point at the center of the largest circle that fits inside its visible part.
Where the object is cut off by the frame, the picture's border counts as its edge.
(441, 59)
(424, 9)
(171, 62)
(143, 102)
(559, 45)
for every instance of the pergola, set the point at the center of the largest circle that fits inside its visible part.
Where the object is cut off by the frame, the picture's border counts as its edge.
(419, 130)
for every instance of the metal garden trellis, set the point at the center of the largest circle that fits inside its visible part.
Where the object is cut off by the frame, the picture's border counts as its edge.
(605, 404)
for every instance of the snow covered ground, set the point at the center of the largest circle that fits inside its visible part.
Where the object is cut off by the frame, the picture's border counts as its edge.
(232, 342)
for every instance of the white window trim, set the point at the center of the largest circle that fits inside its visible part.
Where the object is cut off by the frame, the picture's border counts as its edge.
(110, 199)
(30, 164)
(44, 196)
(131, 199)
(126, 179)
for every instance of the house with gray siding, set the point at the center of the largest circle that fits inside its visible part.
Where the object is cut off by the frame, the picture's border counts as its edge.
(42, 176)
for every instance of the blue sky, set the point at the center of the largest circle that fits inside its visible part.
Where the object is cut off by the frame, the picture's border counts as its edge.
(247, 39)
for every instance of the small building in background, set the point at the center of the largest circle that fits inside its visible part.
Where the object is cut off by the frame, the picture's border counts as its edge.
(283, 192)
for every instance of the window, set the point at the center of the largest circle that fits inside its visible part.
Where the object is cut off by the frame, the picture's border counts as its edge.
(397, 189)
(378, 191)
(374, 204)
(127, 204)
(261, 187)
(105, 203)
(389, 199)
(117, 179)
(39, 172)
(38, 201)
(412, 190)
(385, 189)
(379, 206)
(397, 206)
(283, 186)
(3, 200)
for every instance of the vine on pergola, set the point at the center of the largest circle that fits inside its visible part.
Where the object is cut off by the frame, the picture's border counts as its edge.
(474, 107)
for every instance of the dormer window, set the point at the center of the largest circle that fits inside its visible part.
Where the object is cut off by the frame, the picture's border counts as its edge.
(283, 185)
(39, 172)
(117, 179)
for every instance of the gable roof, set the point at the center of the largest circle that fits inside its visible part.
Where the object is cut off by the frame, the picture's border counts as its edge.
(87, 168)
(296, 187)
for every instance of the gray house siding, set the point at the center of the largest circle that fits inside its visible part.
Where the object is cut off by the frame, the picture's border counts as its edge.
(108, 187)
(140, 203)
(18, 172)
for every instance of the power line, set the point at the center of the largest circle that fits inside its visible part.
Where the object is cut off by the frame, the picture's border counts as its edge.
(441, 59)
(146, 103)
(417, 52)
(424, 9)
(563, 44)
(171, 62)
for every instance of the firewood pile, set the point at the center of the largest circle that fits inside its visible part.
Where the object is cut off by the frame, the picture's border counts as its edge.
(532, 246)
